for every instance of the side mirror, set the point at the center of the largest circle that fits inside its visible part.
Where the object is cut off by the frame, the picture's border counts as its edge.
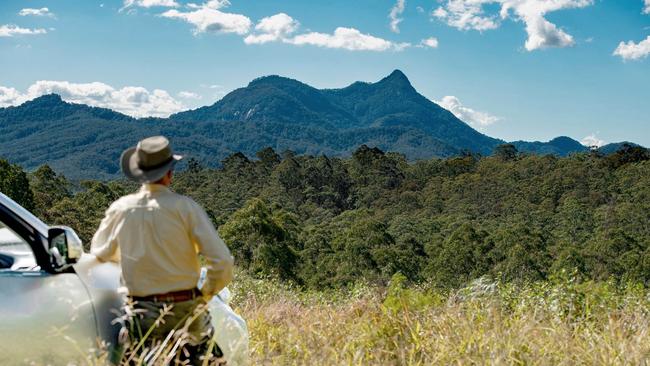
(65, 247)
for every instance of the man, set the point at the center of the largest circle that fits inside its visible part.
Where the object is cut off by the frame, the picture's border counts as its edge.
(156, 236)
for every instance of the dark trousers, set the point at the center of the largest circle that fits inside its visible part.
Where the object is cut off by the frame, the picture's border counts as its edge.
(173, 332)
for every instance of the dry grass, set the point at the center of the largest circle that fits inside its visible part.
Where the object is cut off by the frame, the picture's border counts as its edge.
(560, 322)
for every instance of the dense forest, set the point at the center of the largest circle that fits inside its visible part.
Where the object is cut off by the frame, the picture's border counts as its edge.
(324, 222)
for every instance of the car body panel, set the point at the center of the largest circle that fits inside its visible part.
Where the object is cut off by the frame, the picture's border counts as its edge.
(102, 282)
(231, 331)
(45, 318)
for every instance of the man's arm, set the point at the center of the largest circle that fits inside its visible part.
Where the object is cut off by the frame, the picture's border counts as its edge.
(104, 243)
(220, 261)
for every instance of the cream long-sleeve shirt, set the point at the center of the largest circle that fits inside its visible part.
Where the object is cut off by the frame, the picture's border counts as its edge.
(156, 236)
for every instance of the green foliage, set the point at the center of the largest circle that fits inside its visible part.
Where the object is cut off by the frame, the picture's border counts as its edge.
(49, 189)
(324, 222)
(400, 297)
(506, 152)
(263, 239)
(14, 183)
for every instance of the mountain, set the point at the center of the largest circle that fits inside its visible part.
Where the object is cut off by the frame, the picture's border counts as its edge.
(79, 140)
(614, 147)
(558, 146)
(390, 114)
(86, 142)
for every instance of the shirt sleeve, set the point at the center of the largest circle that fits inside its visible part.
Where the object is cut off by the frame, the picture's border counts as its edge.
(211, 246)
(104, 244)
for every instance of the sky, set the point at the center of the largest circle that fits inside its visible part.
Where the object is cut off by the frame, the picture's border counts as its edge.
(513, 69)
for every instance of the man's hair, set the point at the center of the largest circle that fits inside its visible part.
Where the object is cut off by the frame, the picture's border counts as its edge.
(159, 181)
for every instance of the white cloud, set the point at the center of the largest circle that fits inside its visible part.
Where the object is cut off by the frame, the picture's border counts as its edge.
(10, 30)
(633, 51)
(42, 12)
(149, 4)
(476, 119)
(274, 28)
(281, 28)
(395, 12)
(431, 42)
(347, 38)
(130, 100)
(9, 96)
(212, 4)
(216, 4)
(466, 14)
(189, 95)
(207, 18)
(420, 9)
(592, 140)
(470, 14)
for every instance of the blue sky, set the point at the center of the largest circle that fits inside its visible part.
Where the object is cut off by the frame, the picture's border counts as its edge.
(515, 69)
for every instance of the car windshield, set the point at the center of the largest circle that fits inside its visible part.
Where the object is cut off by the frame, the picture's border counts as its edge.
(32, 220)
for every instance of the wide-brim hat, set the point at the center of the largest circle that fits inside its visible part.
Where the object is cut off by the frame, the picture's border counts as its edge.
(149, 160)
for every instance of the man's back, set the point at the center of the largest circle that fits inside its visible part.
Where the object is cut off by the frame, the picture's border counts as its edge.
(156, 235)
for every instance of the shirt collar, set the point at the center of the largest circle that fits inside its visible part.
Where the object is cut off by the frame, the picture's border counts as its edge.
(153, 187)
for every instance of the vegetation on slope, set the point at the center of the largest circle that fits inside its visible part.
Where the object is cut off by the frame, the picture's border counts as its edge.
(83, 142)
(324, 222)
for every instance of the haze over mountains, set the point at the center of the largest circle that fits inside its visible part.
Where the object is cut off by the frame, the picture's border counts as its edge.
(85, 142)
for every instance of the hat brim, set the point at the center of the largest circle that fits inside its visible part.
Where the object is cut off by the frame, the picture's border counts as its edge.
(131, 170)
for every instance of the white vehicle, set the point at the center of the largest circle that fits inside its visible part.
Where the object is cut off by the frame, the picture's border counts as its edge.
(58, 304)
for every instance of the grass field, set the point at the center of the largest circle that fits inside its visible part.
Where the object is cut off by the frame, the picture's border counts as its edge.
(558, 322)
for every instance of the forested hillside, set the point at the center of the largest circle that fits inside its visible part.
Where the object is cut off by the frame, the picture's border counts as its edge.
(83, 142)
(325, 222)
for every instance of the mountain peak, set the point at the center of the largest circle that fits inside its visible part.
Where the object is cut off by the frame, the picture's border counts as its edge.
(52, 106)
(396, 81)
(397, 76)
(273, 80)
(565, 141)
(46, 99)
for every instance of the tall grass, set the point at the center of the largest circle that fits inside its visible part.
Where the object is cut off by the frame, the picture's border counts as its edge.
(558, 322)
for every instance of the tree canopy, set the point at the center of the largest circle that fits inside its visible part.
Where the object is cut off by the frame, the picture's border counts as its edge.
(327, 222)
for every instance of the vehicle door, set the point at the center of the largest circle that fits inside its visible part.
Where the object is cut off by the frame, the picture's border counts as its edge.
(45, 318)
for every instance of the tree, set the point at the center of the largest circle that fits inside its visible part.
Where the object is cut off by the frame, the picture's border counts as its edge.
(506, 152)
(461, 257)
(15, 184)
(262, 239)
(628, 154)
(49, 189)
(268, 157)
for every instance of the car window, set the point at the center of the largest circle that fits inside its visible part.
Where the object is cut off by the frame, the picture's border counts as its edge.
(15, 252)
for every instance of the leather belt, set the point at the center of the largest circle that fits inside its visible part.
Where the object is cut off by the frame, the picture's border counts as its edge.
(174, 296)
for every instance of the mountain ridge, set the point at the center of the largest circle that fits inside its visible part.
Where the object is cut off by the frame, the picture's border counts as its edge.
(271, 111)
